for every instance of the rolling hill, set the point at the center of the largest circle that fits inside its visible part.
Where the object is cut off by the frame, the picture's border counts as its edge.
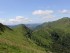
(16, 40)
(54, 36)
(51, 37)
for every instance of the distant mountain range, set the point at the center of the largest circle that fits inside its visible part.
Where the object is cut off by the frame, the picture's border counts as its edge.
(50, 37)
(30, 26)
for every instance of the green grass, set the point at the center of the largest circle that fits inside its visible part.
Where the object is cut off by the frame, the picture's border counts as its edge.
(16, 41)
(54, 36)
(4, 48)
(49, 37)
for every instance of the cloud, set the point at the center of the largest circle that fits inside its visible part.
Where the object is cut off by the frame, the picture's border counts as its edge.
(19, 19)
(16, 20)
(42, 12)
(64, 11)
(49, 16)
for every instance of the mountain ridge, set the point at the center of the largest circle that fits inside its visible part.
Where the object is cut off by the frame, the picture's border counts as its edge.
(51, 37)
(18, 39)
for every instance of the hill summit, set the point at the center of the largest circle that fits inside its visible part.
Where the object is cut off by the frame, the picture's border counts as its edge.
(17, 40)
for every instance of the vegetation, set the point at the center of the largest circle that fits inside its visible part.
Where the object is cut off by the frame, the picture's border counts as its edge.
(17, 40)
(54, 36)
(51, 37)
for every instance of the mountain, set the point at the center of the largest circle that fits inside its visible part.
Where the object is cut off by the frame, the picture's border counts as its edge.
(53, 36)
(49, 37)
(32, 26)
(17, 40)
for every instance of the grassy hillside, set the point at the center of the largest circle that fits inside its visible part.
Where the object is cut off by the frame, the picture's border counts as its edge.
(16, 41)
(54, 36)
(51, 37)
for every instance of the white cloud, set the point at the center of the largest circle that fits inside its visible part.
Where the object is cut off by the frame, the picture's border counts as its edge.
(64, 11)
(42, 12)
(49, 16)
(19, 19)
(16, 20)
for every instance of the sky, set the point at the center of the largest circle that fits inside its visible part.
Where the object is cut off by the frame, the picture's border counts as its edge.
(14, 12)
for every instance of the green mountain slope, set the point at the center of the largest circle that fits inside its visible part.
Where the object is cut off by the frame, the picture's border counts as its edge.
(51, 37)
(54, 36)
(16, 40)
